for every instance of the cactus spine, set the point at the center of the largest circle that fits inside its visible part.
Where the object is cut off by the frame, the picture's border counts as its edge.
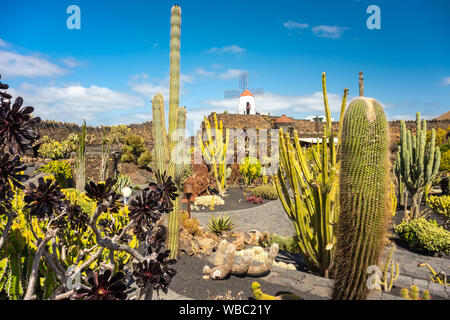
(312, 206)
(417, 164)
(166, 150)
(214, 151)
(364, 196)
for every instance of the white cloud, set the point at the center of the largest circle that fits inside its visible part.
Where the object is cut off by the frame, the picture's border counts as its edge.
(332, 32)
(75, 102)
(203, 72)
(227, 49)
(445, 81)
(411, 116)
(14, 64)
(141, 84)
(72, 62)
(292, 25)
(3, 43)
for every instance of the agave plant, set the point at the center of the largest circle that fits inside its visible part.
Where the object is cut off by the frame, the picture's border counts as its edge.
(218, 225)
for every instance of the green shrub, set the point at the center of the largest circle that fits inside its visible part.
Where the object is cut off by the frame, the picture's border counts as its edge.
(250, 169)
(445, 161)
(144, 159)
(132, 149)
(440, 205)
(61, 169)
(55, 150)
(424, 235)
(265, 191)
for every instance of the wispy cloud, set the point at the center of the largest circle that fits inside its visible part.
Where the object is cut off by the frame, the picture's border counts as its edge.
(3, 43)
(72, 62)
(14, 64)
(332, 32)
(204, 72)
(142, 84)
(295, 26)
(230, 74)
(445, 81)
(227, 49)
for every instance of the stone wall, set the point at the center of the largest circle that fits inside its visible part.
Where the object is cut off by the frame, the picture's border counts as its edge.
(309, 129)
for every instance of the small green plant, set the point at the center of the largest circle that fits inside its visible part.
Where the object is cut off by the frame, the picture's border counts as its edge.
(289, 244)
(144, 159)
(424, 235)
(413, 294)
(265, 191)
(122, 182)
(250, 169)
(220, 224)
(133, 148)
(440, 205)
(61, 169)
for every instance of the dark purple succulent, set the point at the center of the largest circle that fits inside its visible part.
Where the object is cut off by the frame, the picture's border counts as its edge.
(145, 210)
(102, 286)
(156, 240)
(10, 171)
(168, 190)
(104, 193)
(16, 124)
(45, 199)
(75, 216)
(148, 273)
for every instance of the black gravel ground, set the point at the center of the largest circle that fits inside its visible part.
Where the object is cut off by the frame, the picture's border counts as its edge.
(188, 282)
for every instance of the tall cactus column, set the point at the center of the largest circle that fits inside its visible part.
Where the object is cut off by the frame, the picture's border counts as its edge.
(364, 196)
(174, 98)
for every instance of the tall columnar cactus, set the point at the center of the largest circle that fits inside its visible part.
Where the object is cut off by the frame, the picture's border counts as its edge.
(417, 163)
(214, 151)
(80, 161)
(312, 205)
(166, 150)
(364, 196)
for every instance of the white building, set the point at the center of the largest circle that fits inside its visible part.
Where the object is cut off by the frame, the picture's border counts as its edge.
(246, 103)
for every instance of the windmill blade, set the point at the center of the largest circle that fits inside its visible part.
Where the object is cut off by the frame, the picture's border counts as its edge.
(257, 92)
(231, 94)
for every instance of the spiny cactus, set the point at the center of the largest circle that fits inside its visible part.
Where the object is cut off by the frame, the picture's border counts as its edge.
(364, 196)
(417, 164)
(80, 162)
(413, 294)
(168, 145)
(214, 151)
(312, 205)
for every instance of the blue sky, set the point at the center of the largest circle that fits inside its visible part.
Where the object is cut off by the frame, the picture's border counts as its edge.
(108, 71)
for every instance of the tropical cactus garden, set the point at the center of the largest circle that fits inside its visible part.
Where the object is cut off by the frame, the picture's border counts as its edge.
(352, 220)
